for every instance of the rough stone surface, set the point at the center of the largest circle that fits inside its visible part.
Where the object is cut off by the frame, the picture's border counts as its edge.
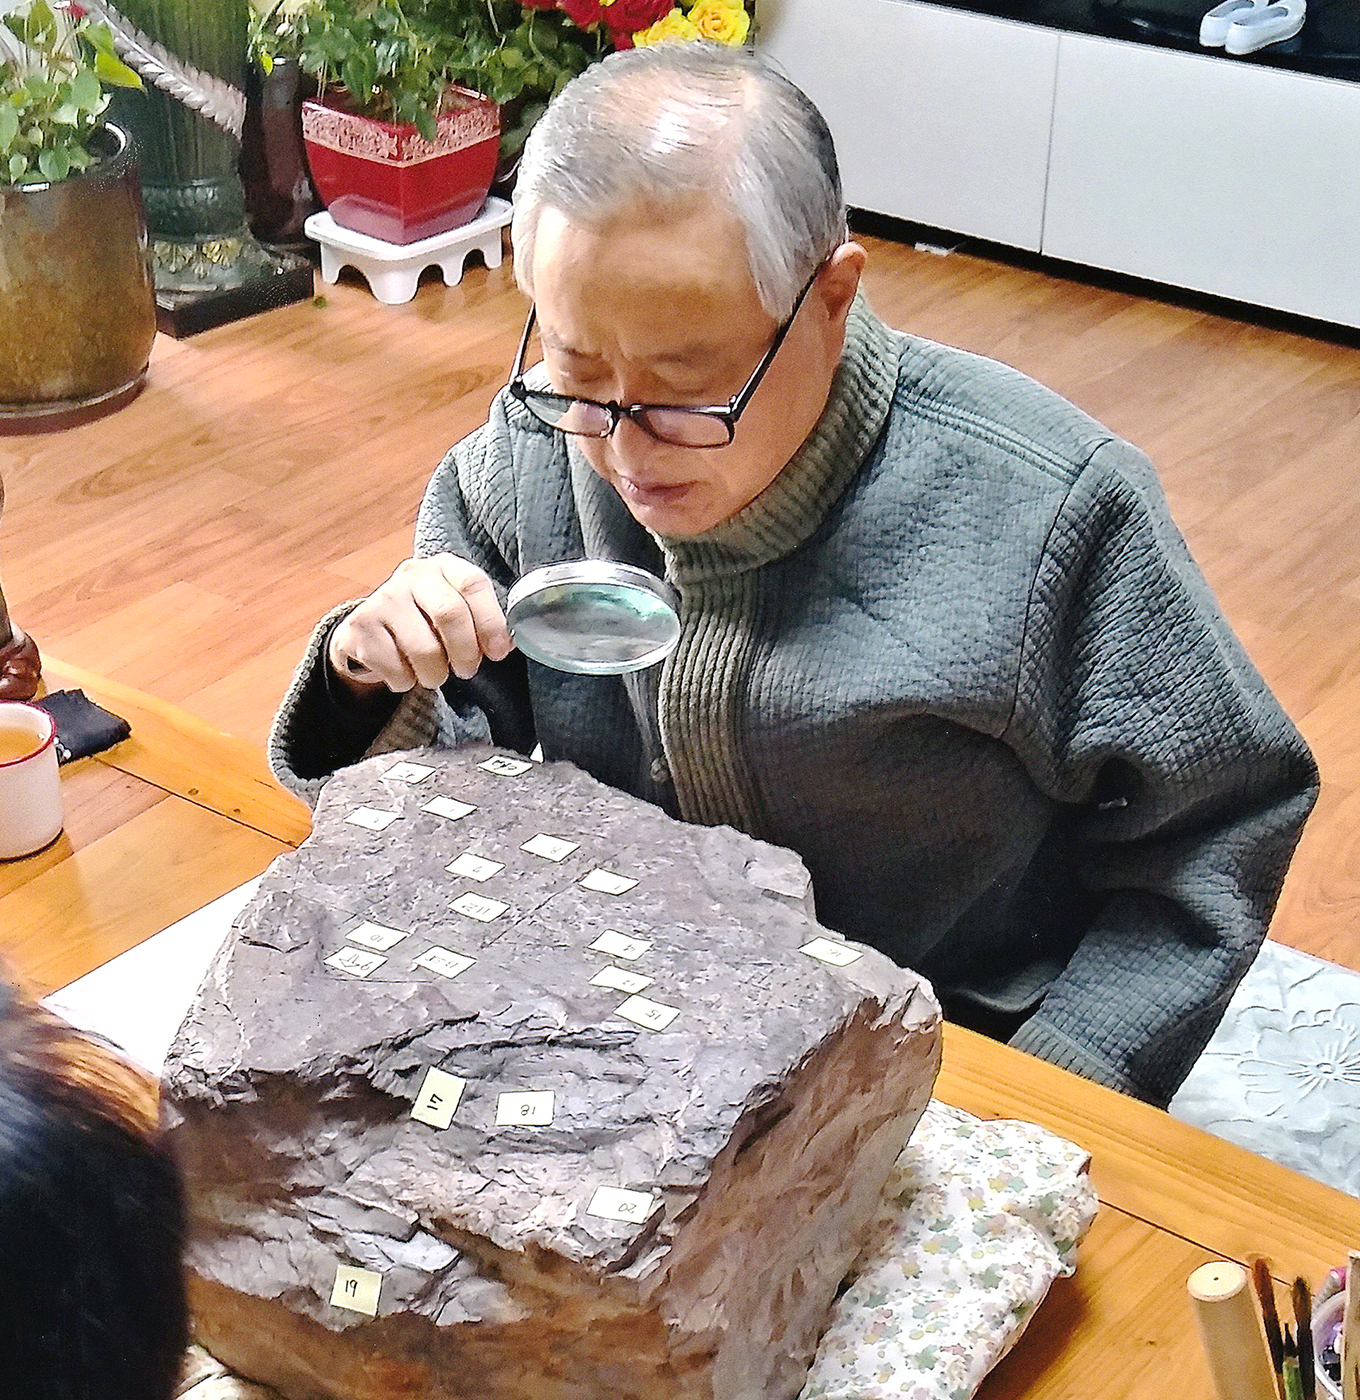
(759, 1124)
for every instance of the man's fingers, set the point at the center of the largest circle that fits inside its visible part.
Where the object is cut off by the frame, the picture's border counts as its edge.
(447, 613)
(488, 621)
(431, 617)
(365, 641)
(420, 645)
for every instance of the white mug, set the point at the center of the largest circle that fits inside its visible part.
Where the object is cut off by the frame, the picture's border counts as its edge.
(30, 790)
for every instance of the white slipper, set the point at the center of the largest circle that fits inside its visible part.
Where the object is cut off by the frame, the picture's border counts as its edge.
(1271, 24)
(1213, 28)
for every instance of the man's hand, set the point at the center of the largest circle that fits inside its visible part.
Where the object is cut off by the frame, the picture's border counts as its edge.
(432, 617)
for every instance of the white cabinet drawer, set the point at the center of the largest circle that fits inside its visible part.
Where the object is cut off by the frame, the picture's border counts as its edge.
(1235, 179)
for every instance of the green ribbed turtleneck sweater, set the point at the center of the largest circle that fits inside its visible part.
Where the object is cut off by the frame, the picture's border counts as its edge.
(704, 682)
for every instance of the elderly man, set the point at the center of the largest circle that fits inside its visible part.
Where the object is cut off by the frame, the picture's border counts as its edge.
(939, 635)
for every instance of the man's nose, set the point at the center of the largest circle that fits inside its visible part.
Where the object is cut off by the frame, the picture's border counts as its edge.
(632, 446)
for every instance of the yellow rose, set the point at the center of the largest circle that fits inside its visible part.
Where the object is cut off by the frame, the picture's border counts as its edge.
(721, 21)
(669, 27)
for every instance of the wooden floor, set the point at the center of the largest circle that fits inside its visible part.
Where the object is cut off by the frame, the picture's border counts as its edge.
(272, 468)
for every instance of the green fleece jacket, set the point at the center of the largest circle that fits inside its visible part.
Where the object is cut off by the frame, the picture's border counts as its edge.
(957, 657)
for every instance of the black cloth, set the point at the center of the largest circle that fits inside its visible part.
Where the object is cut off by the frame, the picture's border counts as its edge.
(82, 726)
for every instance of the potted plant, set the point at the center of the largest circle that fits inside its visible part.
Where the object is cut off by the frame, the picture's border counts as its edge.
(397, 148)
(400, 139)
(77, 314)
(395, 61)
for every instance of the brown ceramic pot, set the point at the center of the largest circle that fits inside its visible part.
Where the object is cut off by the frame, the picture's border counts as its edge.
(77, 307)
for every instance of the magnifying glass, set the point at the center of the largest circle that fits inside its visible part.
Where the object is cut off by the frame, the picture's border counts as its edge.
(593, 617)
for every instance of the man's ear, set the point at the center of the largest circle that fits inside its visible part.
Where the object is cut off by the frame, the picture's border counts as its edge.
(837, 283)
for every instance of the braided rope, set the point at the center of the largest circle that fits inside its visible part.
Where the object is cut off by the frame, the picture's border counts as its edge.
(217, 100)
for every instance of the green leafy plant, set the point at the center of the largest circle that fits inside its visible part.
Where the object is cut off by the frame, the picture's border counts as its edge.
(54, 62)
(397, 58)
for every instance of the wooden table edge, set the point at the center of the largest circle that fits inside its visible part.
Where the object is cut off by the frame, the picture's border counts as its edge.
(171, 749)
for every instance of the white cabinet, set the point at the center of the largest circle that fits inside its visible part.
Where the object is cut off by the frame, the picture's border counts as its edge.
(1230, 178)
(939, 116)
(1223, 177)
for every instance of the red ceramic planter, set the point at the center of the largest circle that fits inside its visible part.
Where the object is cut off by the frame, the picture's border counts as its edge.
(388, 181)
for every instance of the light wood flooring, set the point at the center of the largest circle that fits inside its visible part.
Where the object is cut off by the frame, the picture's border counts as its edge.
(272, 468)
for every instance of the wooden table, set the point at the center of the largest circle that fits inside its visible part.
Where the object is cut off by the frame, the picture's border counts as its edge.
(156, 827)
(180, 813)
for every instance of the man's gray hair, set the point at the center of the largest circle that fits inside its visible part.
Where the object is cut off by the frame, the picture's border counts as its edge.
(673, 123)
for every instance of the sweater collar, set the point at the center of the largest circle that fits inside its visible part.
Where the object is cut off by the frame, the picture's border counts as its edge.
(796, 502)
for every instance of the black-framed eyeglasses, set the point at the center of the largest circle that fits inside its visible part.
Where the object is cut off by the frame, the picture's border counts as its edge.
(714, 425)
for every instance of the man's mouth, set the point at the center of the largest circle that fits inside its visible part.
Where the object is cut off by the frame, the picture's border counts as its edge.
(650, 493)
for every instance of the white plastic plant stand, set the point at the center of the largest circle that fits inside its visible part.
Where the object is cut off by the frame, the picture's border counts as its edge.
(392, 270)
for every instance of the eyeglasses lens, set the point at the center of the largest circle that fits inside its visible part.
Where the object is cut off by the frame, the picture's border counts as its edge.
(684, 429)
(569, 415)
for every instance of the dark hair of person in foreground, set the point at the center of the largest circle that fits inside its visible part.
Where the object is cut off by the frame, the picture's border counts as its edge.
(92, 1300)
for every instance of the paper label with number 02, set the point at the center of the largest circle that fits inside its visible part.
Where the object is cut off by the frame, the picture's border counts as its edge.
(617, 1203)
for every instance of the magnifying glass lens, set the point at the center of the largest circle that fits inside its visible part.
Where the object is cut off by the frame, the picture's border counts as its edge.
(593, 617)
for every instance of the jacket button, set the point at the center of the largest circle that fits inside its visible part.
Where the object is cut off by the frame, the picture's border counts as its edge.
(660, 773)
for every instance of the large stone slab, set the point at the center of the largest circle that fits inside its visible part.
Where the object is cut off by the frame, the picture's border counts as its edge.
(711, 1109)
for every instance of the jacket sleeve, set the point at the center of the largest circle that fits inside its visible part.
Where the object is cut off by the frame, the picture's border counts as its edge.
(469, 510)
(1180, 782)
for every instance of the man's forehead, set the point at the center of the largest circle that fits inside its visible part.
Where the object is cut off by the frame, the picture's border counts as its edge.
(685, 348)
(642, 217)
(643, 249)
(645, 290)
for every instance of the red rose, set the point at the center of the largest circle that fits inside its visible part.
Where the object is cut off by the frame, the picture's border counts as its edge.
(626, 17)
(622, 39)
(582, 13)
(77, 12)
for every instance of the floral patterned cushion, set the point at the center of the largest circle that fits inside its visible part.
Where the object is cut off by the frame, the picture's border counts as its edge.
(978, 1219)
